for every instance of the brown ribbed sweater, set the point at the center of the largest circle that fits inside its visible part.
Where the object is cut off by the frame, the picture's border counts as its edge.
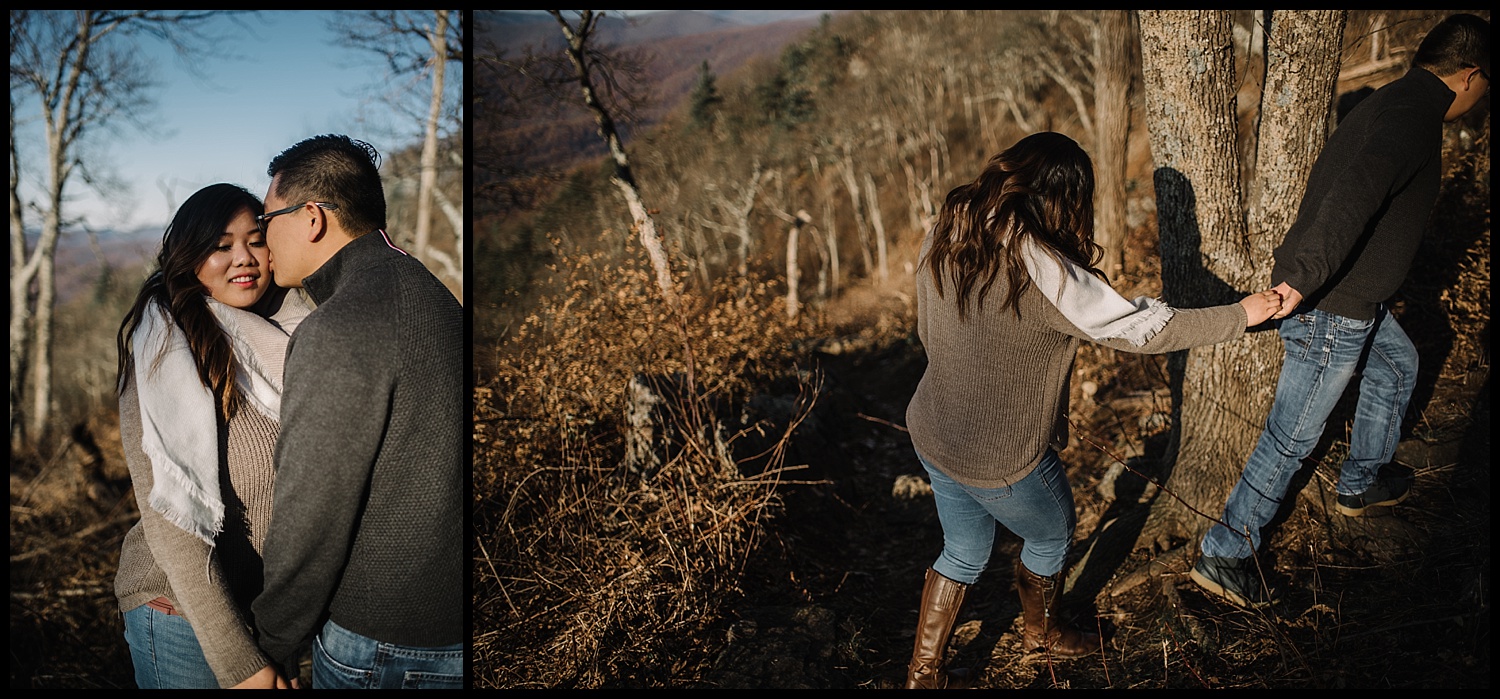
(159, 559)
(994, 395)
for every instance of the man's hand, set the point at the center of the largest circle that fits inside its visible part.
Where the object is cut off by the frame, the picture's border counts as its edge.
(1290, 299)
(1259, 307)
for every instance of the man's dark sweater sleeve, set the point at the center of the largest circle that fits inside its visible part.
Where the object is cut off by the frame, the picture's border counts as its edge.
(1341, 202)
(334, 410)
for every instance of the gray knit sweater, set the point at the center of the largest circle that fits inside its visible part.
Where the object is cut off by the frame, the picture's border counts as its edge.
(994, 395)
(211, 588)
(368, 527)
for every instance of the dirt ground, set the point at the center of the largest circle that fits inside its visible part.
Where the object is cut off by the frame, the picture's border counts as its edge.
(1398, 600)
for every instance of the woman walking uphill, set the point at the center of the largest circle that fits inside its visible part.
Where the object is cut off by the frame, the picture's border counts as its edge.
(1006, 291)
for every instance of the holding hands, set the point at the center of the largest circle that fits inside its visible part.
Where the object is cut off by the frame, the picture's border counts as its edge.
(1290, 299)
(1263, 306)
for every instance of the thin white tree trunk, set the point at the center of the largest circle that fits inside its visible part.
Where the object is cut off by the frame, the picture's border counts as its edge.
(872, 198)
(438, 39)
(851, 184)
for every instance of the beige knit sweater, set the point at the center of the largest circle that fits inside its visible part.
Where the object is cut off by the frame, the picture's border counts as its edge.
(212, 589)
(994, 395)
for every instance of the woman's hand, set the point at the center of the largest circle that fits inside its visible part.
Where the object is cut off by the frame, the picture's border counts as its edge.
(1261, 307)
(267, 678)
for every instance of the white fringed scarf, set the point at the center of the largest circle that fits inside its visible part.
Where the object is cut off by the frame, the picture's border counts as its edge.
(1090, 302)
(179, 425)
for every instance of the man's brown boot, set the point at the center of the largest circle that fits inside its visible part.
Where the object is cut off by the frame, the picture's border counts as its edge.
(941, 599)
(1043, 629)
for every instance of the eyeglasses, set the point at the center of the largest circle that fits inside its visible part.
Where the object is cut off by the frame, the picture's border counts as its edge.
(260, 221)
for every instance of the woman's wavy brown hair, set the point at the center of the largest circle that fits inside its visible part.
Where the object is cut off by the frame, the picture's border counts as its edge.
(192, 236)
(1042, 188)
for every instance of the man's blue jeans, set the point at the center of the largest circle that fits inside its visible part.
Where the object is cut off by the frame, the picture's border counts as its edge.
(343, 659)
(165, 651)
(1323, 354)
(1038, 508)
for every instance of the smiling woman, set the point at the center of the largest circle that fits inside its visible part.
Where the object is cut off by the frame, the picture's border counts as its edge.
(237, 272)
(202, 346)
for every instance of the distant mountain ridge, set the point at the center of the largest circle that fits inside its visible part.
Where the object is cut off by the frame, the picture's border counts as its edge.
(678, 42)
(517, 28)
(80, 260)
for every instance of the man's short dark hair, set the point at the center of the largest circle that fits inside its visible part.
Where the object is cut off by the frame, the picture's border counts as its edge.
(336, 169)
(1458, 42)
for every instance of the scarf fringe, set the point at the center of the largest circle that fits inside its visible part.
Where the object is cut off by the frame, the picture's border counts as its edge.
(179, 422)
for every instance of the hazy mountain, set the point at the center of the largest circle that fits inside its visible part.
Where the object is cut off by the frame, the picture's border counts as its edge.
(80, 259)
(520, 28)
(676, 44)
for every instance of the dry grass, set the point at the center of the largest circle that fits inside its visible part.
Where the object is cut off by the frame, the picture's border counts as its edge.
(626, 466)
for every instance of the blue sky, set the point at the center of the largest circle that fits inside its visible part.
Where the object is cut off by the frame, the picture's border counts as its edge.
(276, 78)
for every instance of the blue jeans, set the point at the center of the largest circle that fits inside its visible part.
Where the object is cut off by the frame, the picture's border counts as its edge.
(343, 659)
(1038, 508)
(165, 651)
(1323, 354)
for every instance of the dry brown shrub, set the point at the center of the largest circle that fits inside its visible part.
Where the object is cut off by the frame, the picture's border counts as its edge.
(594, 569)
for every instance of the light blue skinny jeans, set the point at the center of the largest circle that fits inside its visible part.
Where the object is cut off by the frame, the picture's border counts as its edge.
(1324, 352)
(343, 659)
(1038, 508)
(165, 651)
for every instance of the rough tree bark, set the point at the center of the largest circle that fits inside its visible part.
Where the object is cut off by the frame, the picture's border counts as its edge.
(1113, 64)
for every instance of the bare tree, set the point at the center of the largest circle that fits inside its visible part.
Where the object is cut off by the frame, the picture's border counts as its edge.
(79, 68)
(423, 44)
(872, 198)
(846, 171)
(738, 205)
(587, 62)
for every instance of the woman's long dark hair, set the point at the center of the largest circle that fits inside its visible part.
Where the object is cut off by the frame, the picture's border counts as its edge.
(1041, 188)
(192, 236)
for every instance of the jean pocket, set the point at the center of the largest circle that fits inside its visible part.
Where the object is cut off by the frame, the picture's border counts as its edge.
(988, 495)
(432, 680)
(340, 674)
(1350, 325)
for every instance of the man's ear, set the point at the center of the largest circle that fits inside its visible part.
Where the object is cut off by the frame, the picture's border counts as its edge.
(317, 226)
(1473, 74)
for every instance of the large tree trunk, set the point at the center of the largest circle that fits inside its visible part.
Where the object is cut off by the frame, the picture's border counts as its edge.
(22, 271)
(1113, 64)
(1213, 252)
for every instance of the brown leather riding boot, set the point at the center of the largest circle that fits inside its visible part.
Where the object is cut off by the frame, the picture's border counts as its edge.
(1043, 629)
(941, 599)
